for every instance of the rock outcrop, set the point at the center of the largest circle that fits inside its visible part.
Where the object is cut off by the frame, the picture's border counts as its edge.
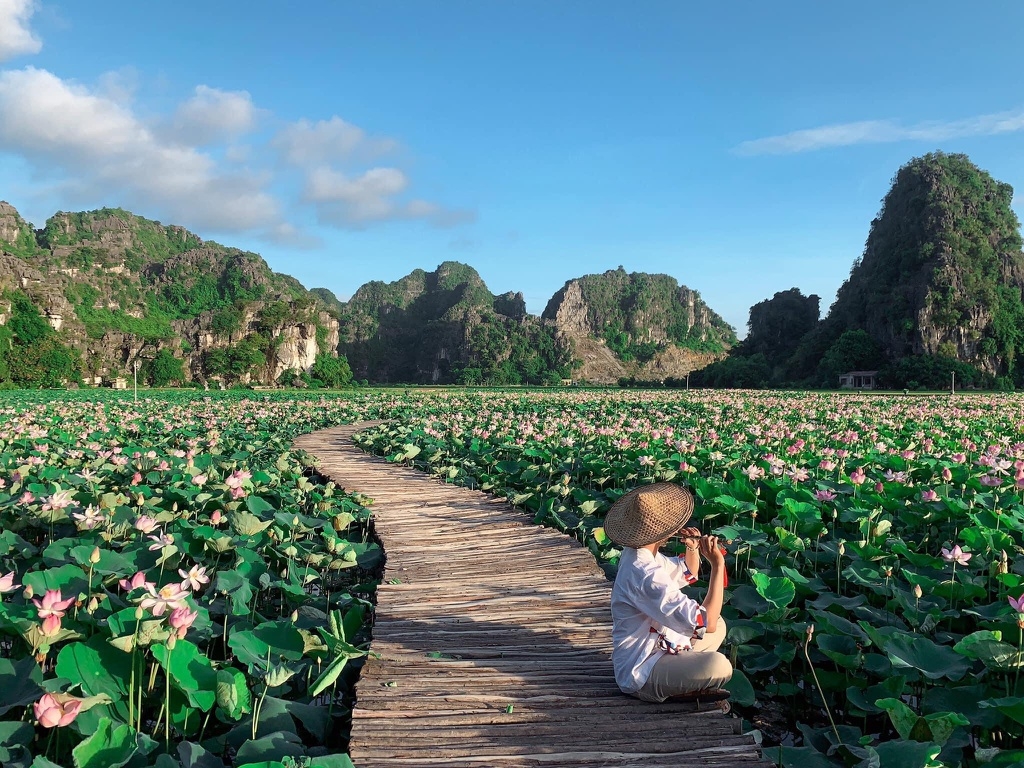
(942, 269)
(446, 326)
(637, 325)
(120, 288)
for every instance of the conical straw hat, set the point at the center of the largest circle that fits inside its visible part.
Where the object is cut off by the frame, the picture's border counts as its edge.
(648, 514)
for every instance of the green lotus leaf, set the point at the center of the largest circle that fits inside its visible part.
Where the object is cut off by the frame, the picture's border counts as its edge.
(19, 683)
(190, 672)
(106, 747)
(777, 590)
(233, 694)
(97, 666)
(930, 659)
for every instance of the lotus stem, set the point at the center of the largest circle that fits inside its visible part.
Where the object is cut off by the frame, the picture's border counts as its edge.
(807, 640)
(167, 697)
(1020, 642)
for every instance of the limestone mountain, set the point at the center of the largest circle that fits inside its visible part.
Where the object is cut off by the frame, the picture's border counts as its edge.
(445, 326)
(119, 288)
(942, 269)
(936, 293)
(637, 325)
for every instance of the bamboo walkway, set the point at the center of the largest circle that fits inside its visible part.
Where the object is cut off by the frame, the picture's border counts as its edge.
(494, 640)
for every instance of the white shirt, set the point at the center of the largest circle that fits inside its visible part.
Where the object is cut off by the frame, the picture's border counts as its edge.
(647, 595)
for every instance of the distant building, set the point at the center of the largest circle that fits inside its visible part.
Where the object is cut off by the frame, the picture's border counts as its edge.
(119, 383)
(858, 380)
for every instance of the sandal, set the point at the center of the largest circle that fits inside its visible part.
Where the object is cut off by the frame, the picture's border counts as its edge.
(701, 697)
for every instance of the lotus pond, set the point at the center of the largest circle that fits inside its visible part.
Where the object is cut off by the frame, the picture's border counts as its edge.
(178, 588)
(874, 608)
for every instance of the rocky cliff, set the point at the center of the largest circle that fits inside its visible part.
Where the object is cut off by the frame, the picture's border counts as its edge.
(637, 325)
(942, 269)
(119, 288)
(446, 326)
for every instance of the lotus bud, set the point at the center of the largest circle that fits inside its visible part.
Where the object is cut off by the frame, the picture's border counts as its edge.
(94, 556)
(93, 605)
(842, 548)
(140, 500)
(174, 507)
(810, 632)
(917, 591)
(1004, 563)
(835, 514)
(294, 617)
(284, 573)
(295, 520)
(171, 642)
(29, 592)
(139, 613)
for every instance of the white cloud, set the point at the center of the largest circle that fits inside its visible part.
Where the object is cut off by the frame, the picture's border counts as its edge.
(16, 39)
(355, 201)
(307, 144)
(111, 153)
(882, 131)
(90, 146)
(213, 115)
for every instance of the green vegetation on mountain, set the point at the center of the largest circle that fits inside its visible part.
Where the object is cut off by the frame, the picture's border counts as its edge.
(444, 327)
(636, 314)
(937, 292)
(119, 289)
(942, 270)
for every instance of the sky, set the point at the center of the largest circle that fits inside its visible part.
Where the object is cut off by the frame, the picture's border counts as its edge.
(742, 148)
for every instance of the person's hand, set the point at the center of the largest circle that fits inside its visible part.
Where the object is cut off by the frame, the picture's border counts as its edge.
(690, 537)
(711, 550)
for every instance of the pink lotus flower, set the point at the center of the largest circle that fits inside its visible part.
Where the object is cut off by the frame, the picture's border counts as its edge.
(51, 626)
(236, 478)
(824, 495)
(929, 495)
(7, 583)
(136, 478)
(946, 474)
(200, 479)
(168, 597)
(990, 481)
(180, 620)
(160, 541)
(136, 581)
(52, 712)
(857, 477)
(753, 472)
(798, 474)
(26, 498)
(956, 555)
(52, 605)
(958, 458)
(217, 518)
(59, 500)
(1017, 604)
(146, 524)
(194, 578)
(88, 519)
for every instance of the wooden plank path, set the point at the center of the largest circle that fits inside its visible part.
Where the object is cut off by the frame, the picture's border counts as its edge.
(494, 640)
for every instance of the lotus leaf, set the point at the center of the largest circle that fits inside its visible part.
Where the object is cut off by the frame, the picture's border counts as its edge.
(930, 659)
(107, 747)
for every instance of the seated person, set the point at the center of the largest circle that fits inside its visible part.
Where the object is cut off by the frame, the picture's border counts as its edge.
(665, 644)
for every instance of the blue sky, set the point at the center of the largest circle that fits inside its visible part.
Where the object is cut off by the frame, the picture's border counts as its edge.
(742, 148)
